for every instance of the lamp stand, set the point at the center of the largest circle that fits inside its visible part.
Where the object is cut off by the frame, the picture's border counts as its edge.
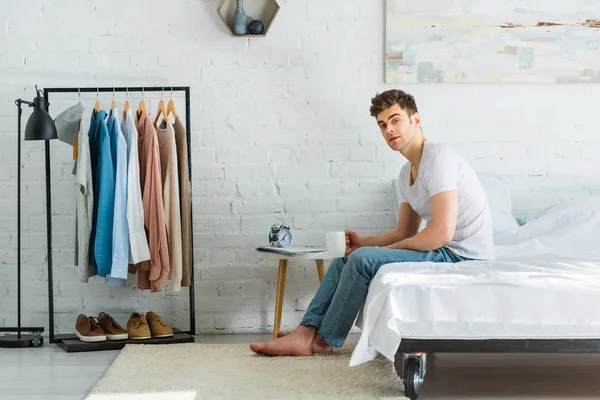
(34, 339)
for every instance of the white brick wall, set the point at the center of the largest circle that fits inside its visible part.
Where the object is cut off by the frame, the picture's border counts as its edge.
(280, 128)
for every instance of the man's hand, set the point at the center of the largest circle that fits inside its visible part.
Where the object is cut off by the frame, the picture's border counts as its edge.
(353, 241)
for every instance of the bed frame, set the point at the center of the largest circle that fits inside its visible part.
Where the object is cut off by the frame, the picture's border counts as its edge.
(413, 352)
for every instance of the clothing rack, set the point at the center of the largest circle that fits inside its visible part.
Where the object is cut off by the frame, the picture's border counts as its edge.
(69, 342)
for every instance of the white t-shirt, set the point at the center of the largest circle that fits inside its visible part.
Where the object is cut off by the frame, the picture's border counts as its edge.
(441, 169)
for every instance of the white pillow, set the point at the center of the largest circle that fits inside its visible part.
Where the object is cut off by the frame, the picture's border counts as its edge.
(499, 193)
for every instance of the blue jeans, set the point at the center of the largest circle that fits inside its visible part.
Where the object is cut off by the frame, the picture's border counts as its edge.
(344, 288)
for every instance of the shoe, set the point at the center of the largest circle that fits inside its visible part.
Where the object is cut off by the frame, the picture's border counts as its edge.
(88, 330)
(137, 327)
(157, 326)
(113, 330)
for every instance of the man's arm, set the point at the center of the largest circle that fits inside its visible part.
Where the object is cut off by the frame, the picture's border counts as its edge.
(408, 225)
(444, 212)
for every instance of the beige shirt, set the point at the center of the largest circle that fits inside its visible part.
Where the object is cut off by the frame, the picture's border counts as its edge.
(185, 198)
(154, 273)
(170, 180)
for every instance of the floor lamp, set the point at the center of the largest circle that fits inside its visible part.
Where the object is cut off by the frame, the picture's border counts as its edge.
(40, 126)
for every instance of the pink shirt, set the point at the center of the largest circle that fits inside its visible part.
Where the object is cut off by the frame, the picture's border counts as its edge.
(154, 273)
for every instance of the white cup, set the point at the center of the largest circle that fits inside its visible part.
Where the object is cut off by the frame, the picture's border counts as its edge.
(336, 243)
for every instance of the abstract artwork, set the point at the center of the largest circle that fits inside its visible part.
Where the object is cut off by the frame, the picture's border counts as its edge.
(447, 41)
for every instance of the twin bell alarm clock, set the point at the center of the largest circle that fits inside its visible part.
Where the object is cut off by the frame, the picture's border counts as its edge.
(280, 235)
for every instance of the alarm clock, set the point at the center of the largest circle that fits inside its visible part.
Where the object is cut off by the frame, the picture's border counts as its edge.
(280, 235)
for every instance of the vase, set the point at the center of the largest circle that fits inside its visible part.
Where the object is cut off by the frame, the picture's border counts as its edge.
(239, 19)
(256, 27)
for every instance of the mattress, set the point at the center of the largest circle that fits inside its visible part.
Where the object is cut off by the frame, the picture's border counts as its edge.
(544, 282)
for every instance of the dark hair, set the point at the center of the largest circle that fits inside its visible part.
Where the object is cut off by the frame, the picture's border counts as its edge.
(389, 98)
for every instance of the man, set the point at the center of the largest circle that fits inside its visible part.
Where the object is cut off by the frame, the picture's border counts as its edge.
(436, 184)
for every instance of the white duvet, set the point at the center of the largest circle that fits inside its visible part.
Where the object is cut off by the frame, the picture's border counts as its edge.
(544, 282)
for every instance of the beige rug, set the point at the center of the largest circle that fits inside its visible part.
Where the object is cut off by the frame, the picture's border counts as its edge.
(232, 371)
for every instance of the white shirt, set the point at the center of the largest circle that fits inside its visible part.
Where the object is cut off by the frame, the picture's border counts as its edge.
(138, 244)
(84, 205)
(442, 169)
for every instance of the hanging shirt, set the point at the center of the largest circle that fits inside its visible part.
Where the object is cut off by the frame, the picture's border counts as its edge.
(84, 204)
(120, 239)
(154, 273)
(138, 244)
(185, 199)
(103, 175)
(170, 179)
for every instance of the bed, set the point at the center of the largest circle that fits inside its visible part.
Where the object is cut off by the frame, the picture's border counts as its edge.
(540, 293)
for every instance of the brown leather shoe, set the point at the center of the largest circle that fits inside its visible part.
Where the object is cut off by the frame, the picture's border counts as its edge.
(88, 330)
(157, 326)
(113, 330)
(137, 327)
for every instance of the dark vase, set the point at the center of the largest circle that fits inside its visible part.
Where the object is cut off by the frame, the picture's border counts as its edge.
(239, 19)
(256, 27)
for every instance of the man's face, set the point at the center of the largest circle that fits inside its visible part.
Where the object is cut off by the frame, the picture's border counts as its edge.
(397, 128)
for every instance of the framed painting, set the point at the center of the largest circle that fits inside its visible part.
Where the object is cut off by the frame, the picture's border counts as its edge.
(481, 41)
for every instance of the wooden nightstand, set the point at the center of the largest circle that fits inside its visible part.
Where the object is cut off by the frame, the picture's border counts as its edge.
(283, 260)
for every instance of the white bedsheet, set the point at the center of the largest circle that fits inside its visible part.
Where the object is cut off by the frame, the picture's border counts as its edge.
(543, 283)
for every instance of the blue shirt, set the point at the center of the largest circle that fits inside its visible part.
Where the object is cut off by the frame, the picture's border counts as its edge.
(103, 175)
(120, 239)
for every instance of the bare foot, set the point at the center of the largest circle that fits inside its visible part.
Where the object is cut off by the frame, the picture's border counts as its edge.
(318, 345)
(297, 343)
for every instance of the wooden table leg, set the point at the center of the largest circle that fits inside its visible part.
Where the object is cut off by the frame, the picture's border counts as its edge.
(279, 299)
(320, 270)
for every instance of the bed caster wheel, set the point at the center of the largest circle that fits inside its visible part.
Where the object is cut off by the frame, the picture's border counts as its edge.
(414, 373)
(37, 339)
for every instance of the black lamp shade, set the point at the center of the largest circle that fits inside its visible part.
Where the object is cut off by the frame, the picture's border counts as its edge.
(40, 125)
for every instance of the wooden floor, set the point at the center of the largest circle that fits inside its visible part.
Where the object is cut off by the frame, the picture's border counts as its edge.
(51, 373)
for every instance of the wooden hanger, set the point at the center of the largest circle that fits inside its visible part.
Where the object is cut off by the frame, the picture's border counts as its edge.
(81, 116)
(125, 109)
(76, 143)
(171, 108)
(97, 106)
(127, 106)
(142, 106)
(114, 103)
(162, 109)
